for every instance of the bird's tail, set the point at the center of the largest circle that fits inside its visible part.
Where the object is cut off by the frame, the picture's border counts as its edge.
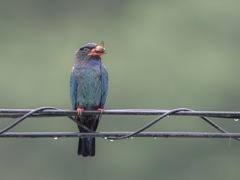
(86, 146)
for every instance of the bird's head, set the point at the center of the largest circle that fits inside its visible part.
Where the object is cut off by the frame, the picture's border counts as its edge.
(90, 49)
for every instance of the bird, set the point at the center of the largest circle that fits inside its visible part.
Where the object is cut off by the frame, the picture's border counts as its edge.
(88, 91)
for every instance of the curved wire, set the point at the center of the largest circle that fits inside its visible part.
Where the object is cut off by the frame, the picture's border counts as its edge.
(24, 117)
(38, 110)
(171, 112)
(166, 114)
(149, 124)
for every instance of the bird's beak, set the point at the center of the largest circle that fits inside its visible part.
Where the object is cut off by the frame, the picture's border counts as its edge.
(99, 50)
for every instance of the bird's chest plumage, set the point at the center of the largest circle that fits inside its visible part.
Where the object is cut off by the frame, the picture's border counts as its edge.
(89, 85)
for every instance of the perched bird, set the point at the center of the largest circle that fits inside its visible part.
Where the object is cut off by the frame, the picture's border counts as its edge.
(88, 91)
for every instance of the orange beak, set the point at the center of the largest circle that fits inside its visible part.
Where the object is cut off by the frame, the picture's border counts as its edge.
(99, 50)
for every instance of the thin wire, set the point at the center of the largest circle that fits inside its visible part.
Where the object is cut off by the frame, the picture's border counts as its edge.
(14, 113)
(104, 135)
(24, 117)
(34, 111)
(150, 124)
(167, 113)
(80, 124)
(172, 112)
(214, 125)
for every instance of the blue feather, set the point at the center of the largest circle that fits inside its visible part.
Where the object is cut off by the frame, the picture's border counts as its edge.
(73, 89)
(104, 85)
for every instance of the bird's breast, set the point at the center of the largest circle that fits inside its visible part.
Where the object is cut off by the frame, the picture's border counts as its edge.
(89, 86)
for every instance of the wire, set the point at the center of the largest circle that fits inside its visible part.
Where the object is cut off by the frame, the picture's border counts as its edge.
(24, 117)
(150, 124)
(171, 112)
(105, 135)
(53, 111)
(15, 113)
(34, 111)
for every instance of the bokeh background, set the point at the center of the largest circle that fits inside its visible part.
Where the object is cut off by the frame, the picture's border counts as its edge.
(161, 55)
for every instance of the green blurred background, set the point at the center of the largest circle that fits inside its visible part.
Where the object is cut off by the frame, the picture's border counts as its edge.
(161, 55)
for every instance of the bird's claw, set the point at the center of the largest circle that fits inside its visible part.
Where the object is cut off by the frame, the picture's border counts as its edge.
(80, 111)
(100, 109)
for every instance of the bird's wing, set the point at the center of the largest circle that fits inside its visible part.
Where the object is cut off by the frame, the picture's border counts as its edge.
(73, 89)
(104, 85)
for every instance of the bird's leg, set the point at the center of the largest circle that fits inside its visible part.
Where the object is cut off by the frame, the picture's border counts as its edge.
(80, 111)
(100, 109)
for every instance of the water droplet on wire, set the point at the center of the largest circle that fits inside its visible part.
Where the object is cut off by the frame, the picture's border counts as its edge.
(55, 138)
(111, 140)
(236, 119)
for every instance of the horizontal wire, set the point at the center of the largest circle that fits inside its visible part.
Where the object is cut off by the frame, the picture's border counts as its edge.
(13, 113)
(53, 111)
(108, 135)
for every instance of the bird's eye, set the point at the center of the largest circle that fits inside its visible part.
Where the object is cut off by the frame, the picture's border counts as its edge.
(85, 49)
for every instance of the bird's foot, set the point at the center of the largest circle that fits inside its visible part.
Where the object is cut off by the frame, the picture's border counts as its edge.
(100, 109)
(80, 111)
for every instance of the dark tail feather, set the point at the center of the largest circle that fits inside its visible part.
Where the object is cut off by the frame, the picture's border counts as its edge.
(91, 146)
(82, 147)
(86, 147)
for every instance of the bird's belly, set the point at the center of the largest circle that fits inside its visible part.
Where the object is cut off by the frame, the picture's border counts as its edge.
(89, 88)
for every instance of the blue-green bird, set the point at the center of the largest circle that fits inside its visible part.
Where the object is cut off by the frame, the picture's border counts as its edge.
(88, 91)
